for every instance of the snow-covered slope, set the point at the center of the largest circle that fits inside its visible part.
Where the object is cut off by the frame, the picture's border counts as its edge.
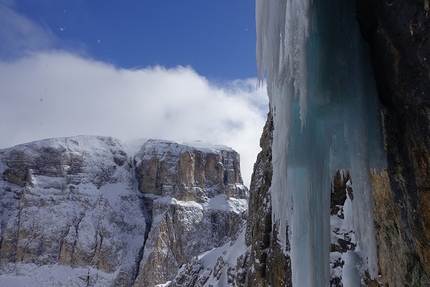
(72, 214)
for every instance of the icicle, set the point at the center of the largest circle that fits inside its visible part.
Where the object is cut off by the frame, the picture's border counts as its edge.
(325, 119)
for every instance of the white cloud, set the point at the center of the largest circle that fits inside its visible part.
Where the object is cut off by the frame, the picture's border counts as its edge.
(48, 93)
(18, 34)
(59, 94)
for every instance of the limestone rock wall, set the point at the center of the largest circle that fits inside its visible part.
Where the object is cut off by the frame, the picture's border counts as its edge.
(398, 33)
(268, 265)
(188, 173)
(197, 202)
(70, 202)
(182, 230)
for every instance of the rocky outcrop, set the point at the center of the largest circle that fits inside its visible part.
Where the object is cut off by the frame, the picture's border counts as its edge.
(399, 263)
(398, 33)
(197, 201)
(223, 266)
(182, 230)
(71, 208)
(342, 236)
(268, 264)
(188, 173)
(256, 257)
(344, 248)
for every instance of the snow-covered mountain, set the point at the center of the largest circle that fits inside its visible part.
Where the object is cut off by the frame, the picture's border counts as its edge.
(87, 211)
(82, 211)
(339, 194)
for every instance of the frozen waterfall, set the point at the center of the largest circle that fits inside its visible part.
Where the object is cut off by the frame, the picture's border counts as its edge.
(326, 114)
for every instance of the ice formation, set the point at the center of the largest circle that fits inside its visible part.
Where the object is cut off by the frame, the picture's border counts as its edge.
(327, 118)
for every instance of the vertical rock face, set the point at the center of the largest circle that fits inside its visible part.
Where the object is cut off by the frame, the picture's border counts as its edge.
(197, 200)
(188, 173)
(398, 34)
(254, 258)
(395, 256)
(181, 230)
(268, 264)
(70, 202)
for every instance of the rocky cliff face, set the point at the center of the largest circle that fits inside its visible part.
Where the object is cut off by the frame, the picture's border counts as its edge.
(187, 172)
(71, 213)
(398, 34)
(70, 202)
(254, 258)
(268, 265)
(197, 202)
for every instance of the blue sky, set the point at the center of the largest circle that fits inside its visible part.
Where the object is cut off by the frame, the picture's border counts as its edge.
(216, 38)
(179, 70)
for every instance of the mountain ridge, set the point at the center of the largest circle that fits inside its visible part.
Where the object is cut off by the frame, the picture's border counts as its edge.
(72, 206)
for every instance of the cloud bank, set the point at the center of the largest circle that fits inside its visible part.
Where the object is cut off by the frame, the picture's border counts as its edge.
(46, 92)
(57, 94)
